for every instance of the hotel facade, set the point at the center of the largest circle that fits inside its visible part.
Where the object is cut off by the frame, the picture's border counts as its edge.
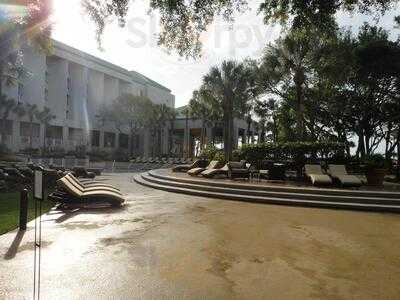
(74, 86)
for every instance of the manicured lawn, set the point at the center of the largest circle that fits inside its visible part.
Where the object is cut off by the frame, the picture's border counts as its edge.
(9, 210)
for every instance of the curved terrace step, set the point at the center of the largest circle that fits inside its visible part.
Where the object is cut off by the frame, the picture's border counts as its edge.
(271, 194)
(261, 196)
(163, 174)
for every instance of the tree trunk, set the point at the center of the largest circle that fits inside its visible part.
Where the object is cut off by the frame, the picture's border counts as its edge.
(228, 129)
(30, 133)
(398, 155)
(131, 140)
(361, 145)
(300, 109)
(44, 137)
(248, 132)
(186, 140)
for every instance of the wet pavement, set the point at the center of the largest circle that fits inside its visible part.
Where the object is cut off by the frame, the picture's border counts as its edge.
(162, 245)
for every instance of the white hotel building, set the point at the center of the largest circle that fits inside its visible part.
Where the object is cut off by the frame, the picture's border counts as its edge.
(74, 85)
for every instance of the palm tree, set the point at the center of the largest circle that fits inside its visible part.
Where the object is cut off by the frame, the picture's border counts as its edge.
(229, 85)
(44, 117)
(261, 110)
(159, 115)
(171, 130)
(31, 111)
(288, 62)
(6, 107)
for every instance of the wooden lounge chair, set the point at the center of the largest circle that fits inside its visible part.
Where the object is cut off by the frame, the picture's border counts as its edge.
(74, 193)
(238, 170)
(315, 174)
(200, 163)
(214, 164)
(339, 173)
(213, 172)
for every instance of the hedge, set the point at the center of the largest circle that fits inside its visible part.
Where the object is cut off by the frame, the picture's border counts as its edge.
(289, 150)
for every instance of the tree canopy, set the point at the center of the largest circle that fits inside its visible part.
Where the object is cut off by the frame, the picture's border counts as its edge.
(182, 22)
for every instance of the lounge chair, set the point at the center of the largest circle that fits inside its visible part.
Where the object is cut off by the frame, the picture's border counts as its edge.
(213, 172)
(238, 170)
(315, 174)
(200, 163)
(73, 193)
(82, 172)
(90, 184)
(214, 164)
(339, 173)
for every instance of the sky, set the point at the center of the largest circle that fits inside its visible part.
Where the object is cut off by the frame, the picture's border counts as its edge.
(134, 47)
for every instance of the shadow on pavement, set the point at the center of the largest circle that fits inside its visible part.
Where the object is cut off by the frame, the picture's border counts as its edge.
(67, 214)
(12, 251)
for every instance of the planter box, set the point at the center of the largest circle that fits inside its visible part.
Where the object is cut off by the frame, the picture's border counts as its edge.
(376, 176)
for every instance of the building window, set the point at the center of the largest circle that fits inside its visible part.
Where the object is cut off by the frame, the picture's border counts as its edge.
(20, 92)
(68, 112)
(25, 129)
(7, 125)
(54, 136)
(109, 139)
(123, 141)
(95, 138)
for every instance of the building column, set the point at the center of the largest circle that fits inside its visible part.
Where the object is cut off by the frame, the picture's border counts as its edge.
(101, 139)
(209, 135)
(116, 140)
(186, 142)
(244, 137)
(65, 138)
(15, 137)
(41, 135)
(146, 143)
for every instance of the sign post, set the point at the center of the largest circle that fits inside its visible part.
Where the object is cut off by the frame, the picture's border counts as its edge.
(38, 195)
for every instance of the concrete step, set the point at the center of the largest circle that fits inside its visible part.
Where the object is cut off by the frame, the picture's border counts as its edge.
(271, 194)
(291, 189)
(271, 200)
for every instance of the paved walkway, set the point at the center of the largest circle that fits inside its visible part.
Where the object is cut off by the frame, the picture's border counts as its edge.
(163, 246)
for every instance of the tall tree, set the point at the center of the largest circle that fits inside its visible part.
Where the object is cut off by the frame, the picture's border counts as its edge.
(289, 62)
(229, 84)
(158, 117)
(31, 110)
(127, 112)
(7, 105)
(44, 117)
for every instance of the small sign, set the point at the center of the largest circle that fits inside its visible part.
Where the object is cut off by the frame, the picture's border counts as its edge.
(38, 187)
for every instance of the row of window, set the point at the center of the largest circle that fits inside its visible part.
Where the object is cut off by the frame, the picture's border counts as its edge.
(27, 129)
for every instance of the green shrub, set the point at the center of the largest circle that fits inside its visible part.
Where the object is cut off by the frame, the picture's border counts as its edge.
(99, 155)
(120, 155)
(31, 151)
(57, 152)
(220, 156)
(298, 151)
(208, 152)
(377, 161)
(4, 149)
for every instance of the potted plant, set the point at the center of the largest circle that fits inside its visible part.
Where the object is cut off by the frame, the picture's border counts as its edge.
(377, 168)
